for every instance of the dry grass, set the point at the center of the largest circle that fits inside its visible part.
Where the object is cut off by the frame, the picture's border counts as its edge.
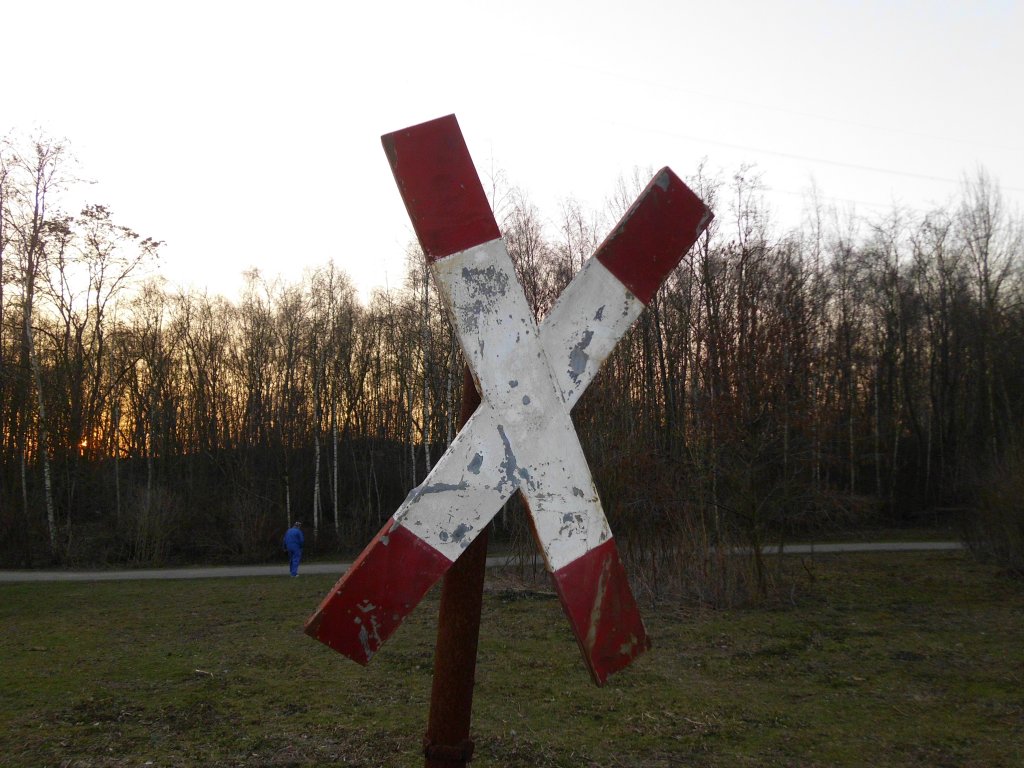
(889, 659)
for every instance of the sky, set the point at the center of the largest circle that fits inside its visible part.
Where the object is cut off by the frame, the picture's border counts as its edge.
(247, 134)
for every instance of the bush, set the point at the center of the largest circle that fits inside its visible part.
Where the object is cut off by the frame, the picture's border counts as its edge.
(995, 530)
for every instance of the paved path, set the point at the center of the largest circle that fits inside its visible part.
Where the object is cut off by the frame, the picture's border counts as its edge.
(226, 572)
(882, 546)
(209, 572)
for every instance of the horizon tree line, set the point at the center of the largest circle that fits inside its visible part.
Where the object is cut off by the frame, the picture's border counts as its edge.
(852, 368)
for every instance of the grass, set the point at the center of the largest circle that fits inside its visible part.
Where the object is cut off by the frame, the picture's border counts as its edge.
(910, 659)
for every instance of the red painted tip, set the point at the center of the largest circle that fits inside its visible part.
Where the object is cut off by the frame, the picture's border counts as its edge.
(381, 588)
(440, 187)
(655, 233)
(596, 597)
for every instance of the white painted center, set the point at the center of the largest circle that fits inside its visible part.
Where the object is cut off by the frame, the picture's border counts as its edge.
(521, 437)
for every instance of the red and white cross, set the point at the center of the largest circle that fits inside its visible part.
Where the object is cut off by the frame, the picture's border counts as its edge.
(521, 437)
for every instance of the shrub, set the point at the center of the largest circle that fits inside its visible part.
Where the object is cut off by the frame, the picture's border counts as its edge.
(995, 530)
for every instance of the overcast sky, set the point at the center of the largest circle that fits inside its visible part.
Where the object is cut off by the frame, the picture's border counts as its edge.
(248, 134)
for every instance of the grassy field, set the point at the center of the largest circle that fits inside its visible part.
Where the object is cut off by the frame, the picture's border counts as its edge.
(875, 660)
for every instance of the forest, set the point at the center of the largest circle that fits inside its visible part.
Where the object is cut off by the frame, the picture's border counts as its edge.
(855, 370)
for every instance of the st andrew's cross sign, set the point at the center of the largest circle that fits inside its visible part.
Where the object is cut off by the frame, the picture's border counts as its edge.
(521, 437)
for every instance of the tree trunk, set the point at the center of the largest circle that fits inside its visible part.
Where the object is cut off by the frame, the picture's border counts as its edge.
(425, 344)
(316, 454)
(44, 437)
(334, 471)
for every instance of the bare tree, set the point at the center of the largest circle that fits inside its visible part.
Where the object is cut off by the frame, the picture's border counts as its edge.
(40, 171)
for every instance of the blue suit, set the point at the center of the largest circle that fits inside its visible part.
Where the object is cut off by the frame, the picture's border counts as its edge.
(293, 542)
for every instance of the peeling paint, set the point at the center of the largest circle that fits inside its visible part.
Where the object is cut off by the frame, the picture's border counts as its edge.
(424, 490)
(488, 282)
(484, 286)
(597, 607)
(577, 492)
(459, 534)
(364, 640)
(476, 463)
(513, 383)
(526, 399)
(509, 465)
(369, 637)
(599, 315)
(578, 357)
(626, 649)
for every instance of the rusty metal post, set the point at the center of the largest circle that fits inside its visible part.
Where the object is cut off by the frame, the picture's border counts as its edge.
(447, 741)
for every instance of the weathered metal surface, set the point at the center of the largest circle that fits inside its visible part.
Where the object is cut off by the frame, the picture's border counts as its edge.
(654, 234)
(539, 452)
(431, 164)
(595, 595)
(383, 585)
(594, 311)
(610, 292)
(521, 437)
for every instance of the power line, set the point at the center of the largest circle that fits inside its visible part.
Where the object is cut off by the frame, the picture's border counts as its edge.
(808, 158)
(855, 123)
(812, 115)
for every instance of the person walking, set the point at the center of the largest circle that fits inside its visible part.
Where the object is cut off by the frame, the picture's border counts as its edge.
(293, 543)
